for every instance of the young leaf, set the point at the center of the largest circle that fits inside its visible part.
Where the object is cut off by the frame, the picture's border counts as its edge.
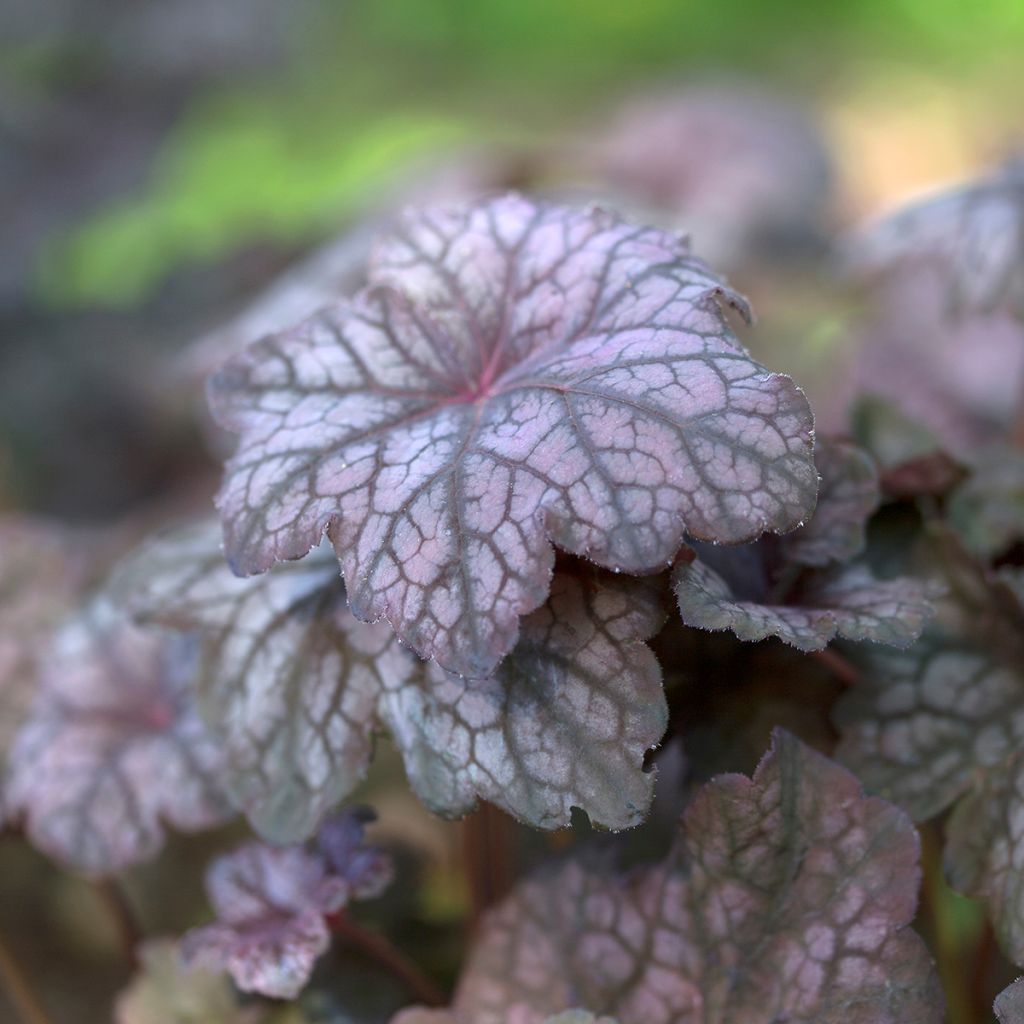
(113, 748)
(789, 897)
(1009, 1005)
(271, 904)
(974, 234)
(297, 687)
(166, 991)
(515, 375)
(764, 589)
(943, 721)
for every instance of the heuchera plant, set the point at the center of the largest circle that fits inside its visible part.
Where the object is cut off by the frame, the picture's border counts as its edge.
(522, 509)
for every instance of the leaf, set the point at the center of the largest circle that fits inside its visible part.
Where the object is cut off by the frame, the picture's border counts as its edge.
(297, 687)
(942, 723)
(763, 589)
(271, 904)
(41, 573)
(973, 233)
(1009, 1005)
(166, 991)
(789, 897)
(987, 509)
(113, 749)
(515, 375)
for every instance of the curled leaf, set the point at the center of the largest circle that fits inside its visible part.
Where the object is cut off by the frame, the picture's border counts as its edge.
(297, 687)
(942, 723)
(789, 897)
(779, 586)
(113, 747)
(515, 375)
(271, 904)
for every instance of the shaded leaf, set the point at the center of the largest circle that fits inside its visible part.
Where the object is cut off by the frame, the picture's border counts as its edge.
(514, 375)
(113, 748)
(166, 991)
(297, 687)
(271, 904)
(765, 589)
(789, 897)
(944, 721)
(1009, 1005)
(973, 234)
(987, 509)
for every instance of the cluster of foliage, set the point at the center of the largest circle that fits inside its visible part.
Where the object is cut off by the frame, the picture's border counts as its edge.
(523, 503)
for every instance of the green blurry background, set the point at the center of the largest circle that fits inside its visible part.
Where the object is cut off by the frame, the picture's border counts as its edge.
(307, 108)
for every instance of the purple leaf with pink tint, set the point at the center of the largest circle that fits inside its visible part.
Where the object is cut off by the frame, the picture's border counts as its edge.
(514, 376)
(272, 903)
(297, 688)
(113, 748)
(1009, 1005)
(789, 587)
(789, 897)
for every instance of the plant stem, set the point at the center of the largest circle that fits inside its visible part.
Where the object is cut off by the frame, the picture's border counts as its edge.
(17, 986)
(846, 673)
(949, 957)
(122, 916)
(378, 948)
(486, 855)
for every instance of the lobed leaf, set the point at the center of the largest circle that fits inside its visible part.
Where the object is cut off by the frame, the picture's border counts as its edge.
(943, 722)
(113, 748)
(297, 687)
(271, 905)
(780, 586)
(515, 375)
(789, 897)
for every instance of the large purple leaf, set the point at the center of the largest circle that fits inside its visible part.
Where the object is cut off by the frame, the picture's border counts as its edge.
(780, 586)
(113, 748)
(944, 722)
(296, 688)
(271, 905)
(789, 897)
(514, 375)
(987, 509)
(1009, 1005)
(974, 234)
